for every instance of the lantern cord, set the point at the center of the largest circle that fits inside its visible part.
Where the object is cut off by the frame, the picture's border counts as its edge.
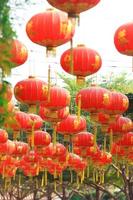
(55, 186)
(32, 135)
(19, 180)
(105, 143)
(46, 177)
(79, 107)
(95, 137)
(83, 176)
(36, 181)
(3, 174)
(38, 168)
(61, 178)
(49, 82)
(71, 57)
(102, 177)
(127, 169)
(54, 135)
(88, 171)
(43, 178)
(111, 139)
(78, 185)
(71, 174)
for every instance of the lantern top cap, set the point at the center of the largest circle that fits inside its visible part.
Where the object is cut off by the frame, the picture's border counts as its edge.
(49, 9)
(31, 76)
(80, 45)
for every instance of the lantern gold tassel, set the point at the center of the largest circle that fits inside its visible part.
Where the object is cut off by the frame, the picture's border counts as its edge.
(95, 137)
(61, 178)
(71, 174)
(54, 135)
(78, 185)
(111, 139)
(3, 173)
(43, 178)
(32, 135)
(127, 170)
(49, 83)
(46, 177)
(104, 148)
(88, 171)
(55, 186)
(83, 176)
(71, 57)
(79, 107)
(19, 180)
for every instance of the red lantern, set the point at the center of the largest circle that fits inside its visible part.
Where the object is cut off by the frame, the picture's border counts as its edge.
(123, 39)
(83, 139)
(81, 62)
(117, 151)
(71, 125)
(21, 148)
(104, 159)
(126, 140)
(31, 91)
(18, 121)
(59, 98)
(12, 54)
(94, 99)
(121, 125)
(53, 115)
(41, 138)
(7, 148)
(3, 136)
(118, 104)
(73, 7)
(50, 28)
(36, 122)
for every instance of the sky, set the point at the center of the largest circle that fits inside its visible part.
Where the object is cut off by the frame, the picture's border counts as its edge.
(96, 31)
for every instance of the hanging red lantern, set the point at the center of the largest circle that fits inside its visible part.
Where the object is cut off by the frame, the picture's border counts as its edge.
(3, 136)
(121, 126)
(123, 39)
(21, 148)
(81, 62)
(36, 122)
(50, 29)
(7, 148)
(126, 140)
(71, 125)
(104, 159)
(53, 115)
(117, 151)
(59, 98)
(83, 139)
(41, 138)
(118, 104)
(16, 122)
(88, 95)
(12, 54)
(31, 91)
(73, 7)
